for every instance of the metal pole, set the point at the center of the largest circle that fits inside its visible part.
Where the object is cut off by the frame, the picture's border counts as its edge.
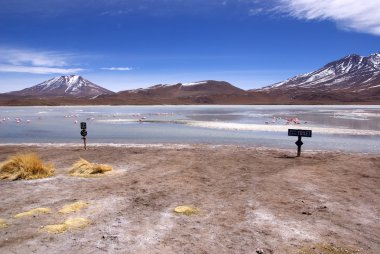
(299, 144)
(84, 142)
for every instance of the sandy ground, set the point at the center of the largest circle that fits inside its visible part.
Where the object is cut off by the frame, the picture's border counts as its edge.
(248, 198)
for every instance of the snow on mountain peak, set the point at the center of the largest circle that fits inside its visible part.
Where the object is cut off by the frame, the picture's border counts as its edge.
(73, 85)
(73, 79)
(352, 71)
(375, 59)
(194, 83)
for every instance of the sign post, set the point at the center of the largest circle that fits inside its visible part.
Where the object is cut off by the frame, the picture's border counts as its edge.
(299, 133)
(83, 132)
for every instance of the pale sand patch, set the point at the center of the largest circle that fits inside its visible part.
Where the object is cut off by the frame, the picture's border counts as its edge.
(152, 236)
(287, 230)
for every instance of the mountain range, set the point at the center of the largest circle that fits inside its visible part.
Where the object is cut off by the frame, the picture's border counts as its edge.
(353, 79)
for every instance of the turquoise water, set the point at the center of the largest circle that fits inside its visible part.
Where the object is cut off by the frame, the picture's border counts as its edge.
(338, 128)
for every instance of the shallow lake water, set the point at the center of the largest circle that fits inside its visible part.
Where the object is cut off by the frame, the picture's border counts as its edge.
(337, 128)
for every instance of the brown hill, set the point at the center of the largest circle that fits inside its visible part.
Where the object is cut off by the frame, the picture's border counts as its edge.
(202, 92)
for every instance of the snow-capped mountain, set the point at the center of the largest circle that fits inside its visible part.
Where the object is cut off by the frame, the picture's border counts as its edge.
(352, 73)
(73, 86)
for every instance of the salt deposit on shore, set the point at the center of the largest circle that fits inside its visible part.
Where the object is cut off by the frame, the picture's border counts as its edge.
(249, 199)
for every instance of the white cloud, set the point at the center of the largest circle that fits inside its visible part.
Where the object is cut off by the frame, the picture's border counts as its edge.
(35, 62)
(118, 68)
(38, 69)
(34, 58)
(361, 16)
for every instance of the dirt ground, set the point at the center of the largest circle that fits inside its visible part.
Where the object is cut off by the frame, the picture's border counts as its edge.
(248, 198)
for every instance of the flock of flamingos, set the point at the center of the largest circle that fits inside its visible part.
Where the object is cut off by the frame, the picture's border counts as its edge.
(141, 118)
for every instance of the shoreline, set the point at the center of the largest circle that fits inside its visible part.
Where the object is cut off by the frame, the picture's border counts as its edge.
(204, 105)
(179, 146)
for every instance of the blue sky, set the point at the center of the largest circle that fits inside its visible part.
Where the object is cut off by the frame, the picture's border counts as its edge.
(126, 44)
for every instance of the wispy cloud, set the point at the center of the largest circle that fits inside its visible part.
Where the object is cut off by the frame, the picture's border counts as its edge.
(117, 68)
(38, 70)
(115, 12)
(255, 11)
(360, 16)
(35, 58)
(36, 62)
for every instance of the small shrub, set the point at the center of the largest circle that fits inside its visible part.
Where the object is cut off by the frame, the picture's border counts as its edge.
(85, 169)
(25, 166)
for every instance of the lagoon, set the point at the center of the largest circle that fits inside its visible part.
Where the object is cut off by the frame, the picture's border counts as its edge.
(335, 128)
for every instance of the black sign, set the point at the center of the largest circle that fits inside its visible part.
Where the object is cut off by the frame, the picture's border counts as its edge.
(299, 133)
(83, 133)
(83, 125)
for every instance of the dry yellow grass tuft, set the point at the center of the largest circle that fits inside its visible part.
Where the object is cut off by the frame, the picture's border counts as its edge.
(74, 207)
(33, 212)
(77, 223)
(86, 169)
(55, 229)
(186, 210)
(3, 224)
(327, 249)
(73, 223)
(25, 166)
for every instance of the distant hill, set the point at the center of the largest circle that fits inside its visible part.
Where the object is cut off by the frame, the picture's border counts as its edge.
(209, 91)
